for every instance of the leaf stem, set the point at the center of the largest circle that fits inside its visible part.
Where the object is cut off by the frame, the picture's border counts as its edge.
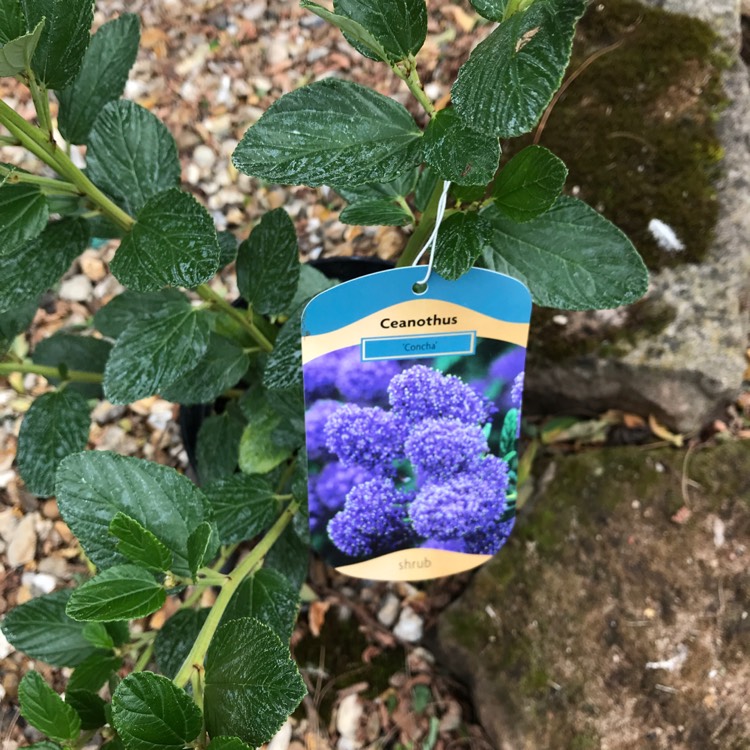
(205, 292)
(194, 660)
(75, 376)
(144, 658)
(407, 72)
(41, 104)
(423, 228)
(14, 176)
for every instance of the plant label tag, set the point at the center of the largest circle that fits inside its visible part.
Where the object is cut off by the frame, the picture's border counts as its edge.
(412, 416)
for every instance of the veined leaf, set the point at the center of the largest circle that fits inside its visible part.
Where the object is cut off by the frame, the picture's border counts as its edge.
(101, 79)
(16, 54)
(12, 322)
(126, 308)
(290, 556)
(44, 709)
(570, 257)
(175, 639)
(93, 672)
(524, 58)
(227, 743)
(460, 241)
(331, 133)
(201, 546)
(218, 446)
(138, 544)
(23, 215)
(89, 707)
(376, 212)
(11, 20)
(400, 187)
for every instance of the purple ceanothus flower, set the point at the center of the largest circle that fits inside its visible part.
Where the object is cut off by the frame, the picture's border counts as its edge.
(315, 423)
(440, 448)
(423, 393)
(364, 436)
(335, 481)
(373, 519)
(507, 366)
(490, 539)
(516, 392)
(320, 377)
(365, 382)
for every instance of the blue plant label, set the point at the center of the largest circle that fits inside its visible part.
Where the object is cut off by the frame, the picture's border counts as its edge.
(412, 417)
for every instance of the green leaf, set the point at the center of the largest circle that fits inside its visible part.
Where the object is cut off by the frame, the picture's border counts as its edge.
(356, 34)
(65, 37)
(201, 546)
(428, 180)
(524, 59)
(97, 635)
(227, 743)
(249, 698)
(93, 486)
(228, 247)
(15, 56)
(529, 183)
(331, 133)
(42, 630)
(290, 556)
(398, 188)
(123, 592)
(151, 713)
(56, 425)
(460, 241)
(459, 153)
(11, 20)
(259, 451)
(92, 673)
(101, 79)
(131, 154)
(12, 322)
(244, 506)
(44, 709)
(570, 257)
(175, 639)
(155, 352)
(23, 214)
(138, 544)
(218, 446)
(45, 745)
(268, 264)
(284, 366)
(509, 433)
(22, 276)
(173, 243)
(125, 308)
(311, 282)
(492, 10)
(89, 707)
(73, 352)
(400, 26)
(268, 597)
(376, 212)
(220, 368)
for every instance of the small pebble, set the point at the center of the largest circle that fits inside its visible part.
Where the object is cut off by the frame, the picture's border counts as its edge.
(22, 546)
(348, 717)
(409, 626)
(39, 583)
(5, 648)
(282, 738)
(204, 157)
(78, 288)
(389, 611)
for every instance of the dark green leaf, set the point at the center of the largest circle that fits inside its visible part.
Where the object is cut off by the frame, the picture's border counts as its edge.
(123, 592)
(249, 698)
(400, 26)
(220, 368)
(155, 352)
(41, 629)
(356, 34)
(139, 544)
(173, 243)
(201, 546)
(151, 713)
(259, 451)
(290, 556)
(331, 132)
(100, 227)
(269, 597)
(44, 709)
(509, 433)
(45, 745)
(460, 241)
(493, 10)
(284, 367)
(11, 20)
(227, 743)
(459, 153)
(570, 257)
(129, 306)
(97, 635)
(400, 187)
(529, 183)
(92, 673)
(73, 352)
(13, 321)
(131, 154)
(228, 247)
(23, 276)
(119, 631)
(89, 707)
(64, 40)
(311, 282)
(15, 56)
(101, 79)
(244, 506)
(510, 78)
(56, 425)
(376, 212)
(468, 193)
(426, 184)
(218, 446)
(23, 214)
(268, 264)
(175, 639)
(93, 486)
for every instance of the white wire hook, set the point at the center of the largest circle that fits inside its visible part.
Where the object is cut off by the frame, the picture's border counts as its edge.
(431, 243)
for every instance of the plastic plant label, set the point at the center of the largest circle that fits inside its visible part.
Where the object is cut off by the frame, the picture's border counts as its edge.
(412, 416)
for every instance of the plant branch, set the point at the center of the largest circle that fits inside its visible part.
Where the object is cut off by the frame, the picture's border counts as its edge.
(74, 376)
(408, 73)
(194, 660)
(41, 104)
(422, 231)
(47, 184)
(205, 292)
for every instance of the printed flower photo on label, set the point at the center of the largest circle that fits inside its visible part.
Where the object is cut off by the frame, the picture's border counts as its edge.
(410, 454)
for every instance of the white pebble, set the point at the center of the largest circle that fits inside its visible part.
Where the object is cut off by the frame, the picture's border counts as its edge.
(282, 738)
(348, 717)
(389, 611)
(78, 288)
(39, 583)
(5, 648)
(666, 238)
(204, 157)
(409, 626)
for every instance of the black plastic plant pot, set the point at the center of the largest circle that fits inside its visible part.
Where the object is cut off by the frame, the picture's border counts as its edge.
(342, 269)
